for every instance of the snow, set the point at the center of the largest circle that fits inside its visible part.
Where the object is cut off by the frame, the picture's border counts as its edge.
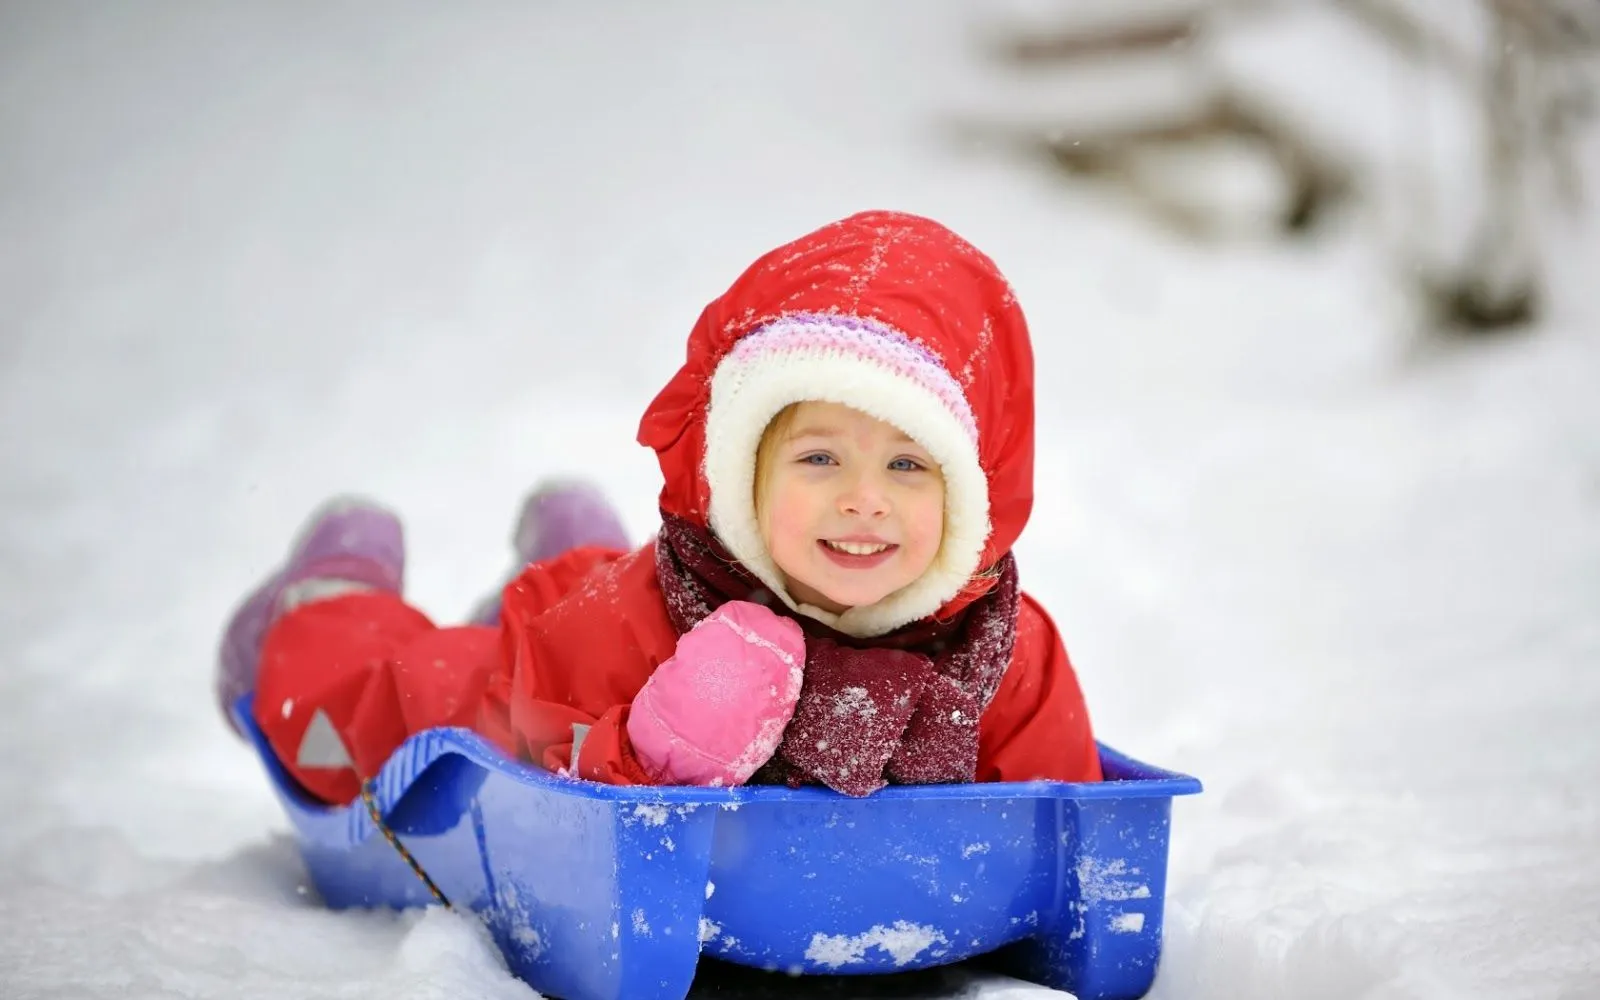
(256, 255)
(902, 940)
(651, 814)
(1101, 879)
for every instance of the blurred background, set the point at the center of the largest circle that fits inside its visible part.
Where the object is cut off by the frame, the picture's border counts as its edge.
(1318, 492)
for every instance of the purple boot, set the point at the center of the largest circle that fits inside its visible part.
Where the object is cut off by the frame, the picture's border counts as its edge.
(347, 544)
(559, 515)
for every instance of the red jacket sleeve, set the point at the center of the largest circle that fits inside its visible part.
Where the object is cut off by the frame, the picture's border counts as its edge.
(574, 645)
(1037, 726)
(579, 636)
(371, 669)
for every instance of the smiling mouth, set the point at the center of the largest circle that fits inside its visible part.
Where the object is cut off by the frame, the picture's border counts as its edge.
(858, 548)
(857, 555)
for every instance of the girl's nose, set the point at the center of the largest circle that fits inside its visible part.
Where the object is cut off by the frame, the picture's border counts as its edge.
(864, 498)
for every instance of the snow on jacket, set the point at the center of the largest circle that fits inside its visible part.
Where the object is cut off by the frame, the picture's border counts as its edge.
(579, 635)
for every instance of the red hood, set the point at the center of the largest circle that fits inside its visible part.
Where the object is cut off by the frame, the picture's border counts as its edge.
(903, 270)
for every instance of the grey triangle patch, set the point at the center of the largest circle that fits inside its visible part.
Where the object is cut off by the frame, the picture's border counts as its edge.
(321, 745)
(579, 732)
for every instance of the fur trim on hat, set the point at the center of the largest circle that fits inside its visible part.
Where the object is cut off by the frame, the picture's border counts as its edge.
(875, 369)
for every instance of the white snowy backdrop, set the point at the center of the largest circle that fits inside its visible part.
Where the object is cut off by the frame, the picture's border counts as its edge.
(254, 254)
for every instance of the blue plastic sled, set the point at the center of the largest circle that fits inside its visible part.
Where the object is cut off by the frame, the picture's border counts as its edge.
(596, 892)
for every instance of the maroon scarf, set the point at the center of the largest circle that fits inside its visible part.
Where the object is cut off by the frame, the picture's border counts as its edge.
(901, 707)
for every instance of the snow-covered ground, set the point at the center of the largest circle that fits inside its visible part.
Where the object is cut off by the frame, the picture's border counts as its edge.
(254, 254)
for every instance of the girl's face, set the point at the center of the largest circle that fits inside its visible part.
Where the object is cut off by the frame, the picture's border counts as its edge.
(850, 508)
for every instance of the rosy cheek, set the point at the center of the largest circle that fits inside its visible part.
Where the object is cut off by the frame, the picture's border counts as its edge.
(929, 515)
(928, 527)
(786, 523)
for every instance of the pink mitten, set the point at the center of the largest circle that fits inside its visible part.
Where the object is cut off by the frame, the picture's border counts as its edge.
(716, 711)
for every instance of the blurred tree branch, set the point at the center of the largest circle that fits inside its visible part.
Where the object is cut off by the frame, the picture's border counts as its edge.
(1527, 74)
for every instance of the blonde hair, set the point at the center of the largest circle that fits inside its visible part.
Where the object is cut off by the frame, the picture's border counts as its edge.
(767, 455)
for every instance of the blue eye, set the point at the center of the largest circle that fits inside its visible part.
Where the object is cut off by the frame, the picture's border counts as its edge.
(906, 465)
(817, 458)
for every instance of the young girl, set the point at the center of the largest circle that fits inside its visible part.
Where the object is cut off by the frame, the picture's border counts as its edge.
(831, 599)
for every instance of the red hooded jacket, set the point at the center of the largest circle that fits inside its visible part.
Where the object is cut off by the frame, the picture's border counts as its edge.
(580, 634)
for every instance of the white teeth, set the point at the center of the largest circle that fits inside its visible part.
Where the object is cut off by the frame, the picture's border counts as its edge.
(858, 548)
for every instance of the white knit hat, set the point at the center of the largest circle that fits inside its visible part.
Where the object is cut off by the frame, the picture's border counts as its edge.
(880, 371)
